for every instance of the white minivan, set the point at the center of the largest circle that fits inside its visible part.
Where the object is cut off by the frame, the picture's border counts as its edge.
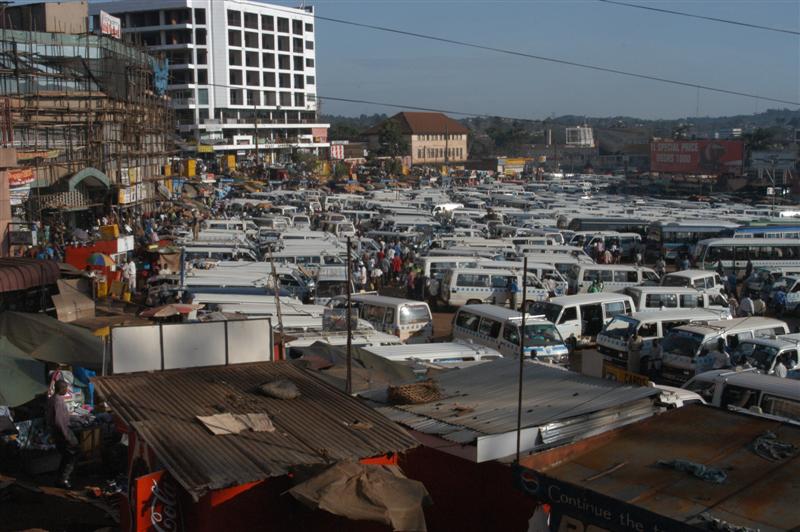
(651, 326)
(579, 318)
(409, 320)
(613, 276)
(472, 286)
(498, 328)
(699, 279)
(666, 297)
(686, 350)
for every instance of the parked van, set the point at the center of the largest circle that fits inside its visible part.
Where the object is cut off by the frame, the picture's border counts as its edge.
(665, 297)
(579, 318)
(499, 327)
(749, 390)
(236, 226)
(651, 326)
(613, 276)
(435, 268)
(341, 229)
(686, 350)
(791, 286)
(218, 253)
(764, 353)
(562, 263)
(309, 260)
(409, 320)
(541, 270)
(472, 286)
(331, 282)
(698, 279)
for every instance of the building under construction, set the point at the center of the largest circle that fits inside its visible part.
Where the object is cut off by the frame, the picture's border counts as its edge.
(90, 122)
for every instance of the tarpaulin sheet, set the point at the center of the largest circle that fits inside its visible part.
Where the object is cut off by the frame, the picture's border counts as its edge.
(21, 377)
(71, 303)
(44, 338)
(369, 371)
(367, 492)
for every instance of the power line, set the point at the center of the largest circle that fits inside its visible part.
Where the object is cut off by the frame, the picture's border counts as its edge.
(517, 53)
(701, 17)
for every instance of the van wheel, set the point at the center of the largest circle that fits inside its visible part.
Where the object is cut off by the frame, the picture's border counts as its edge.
(474, 302)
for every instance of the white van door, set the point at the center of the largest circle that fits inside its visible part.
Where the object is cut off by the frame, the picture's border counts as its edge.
(569, 324)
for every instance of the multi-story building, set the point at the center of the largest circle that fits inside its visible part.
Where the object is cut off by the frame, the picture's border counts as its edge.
(431, 138)
(242, 73)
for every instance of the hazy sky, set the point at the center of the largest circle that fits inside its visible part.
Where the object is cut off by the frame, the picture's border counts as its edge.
(374, 65)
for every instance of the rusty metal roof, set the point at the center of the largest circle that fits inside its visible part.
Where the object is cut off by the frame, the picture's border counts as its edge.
(758, 493)
(421, 123)
(322, 426)
(21, 273)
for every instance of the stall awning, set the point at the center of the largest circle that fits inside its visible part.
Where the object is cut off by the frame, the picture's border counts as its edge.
(21, 274)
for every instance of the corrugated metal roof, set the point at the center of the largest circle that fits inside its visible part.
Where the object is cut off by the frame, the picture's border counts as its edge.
(315, 428)
(482, 400)
(758, 493)
(20, 273)
(415, 123)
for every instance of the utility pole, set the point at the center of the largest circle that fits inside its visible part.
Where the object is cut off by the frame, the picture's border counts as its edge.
(276, 286)
(349, 383)
(255, 136)
(521, 352)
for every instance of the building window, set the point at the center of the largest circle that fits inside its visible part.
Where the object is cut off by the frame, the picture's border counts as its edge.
(298, 81)
(310, 80)
(419, 153)
(268, 60)
(297, 46)
(202, 57)
(309, 26)
(285, 81)
(269, 79)
(251, 39)
(237, 97)
(202, 76)
(253, 79)
(310, 63)
(234, 57)
(267, 41)
(269, 98)
(251, 21)
(267, 23)
(253, 98)
(286, 99)
(283, 43)
(202, 96)
(299, 99)
(309, 45)
(235, 77)
(234, 38)
(199, 16)
(251, 59)
(234, 18)
(200, 36)
(283, 25)
(298, 63)
(283, 62)
(297, 27)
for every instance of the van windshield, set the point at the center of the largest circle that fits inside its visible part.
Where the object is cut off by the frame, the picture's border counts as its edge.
(542, 334)
(414, 314)
(675, 280)
(682, 343)
(621, 327)
(760, 356)
(331, 288)
(550, 311)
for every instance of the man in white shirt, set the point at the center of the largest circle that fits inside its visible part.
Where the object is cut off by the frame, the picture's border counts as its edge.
(746, 306)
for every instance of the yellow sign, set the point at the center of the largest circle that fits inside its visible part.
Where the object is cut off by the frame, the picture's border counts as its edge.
(205, 148)
(612, 372)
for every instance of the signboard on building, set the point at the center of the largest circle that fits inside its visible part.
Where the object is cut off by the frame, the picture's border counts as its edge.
(773, 160)
(697, 156)
(111, 26)
(337, 151)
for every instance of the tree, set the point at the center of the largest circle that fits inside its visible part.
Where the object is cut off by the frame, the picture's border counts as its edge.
(391, 140)
(304, 161)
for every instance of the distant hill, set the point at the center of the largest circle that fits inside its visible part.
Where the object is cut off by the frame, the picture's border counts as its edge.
(500, 136)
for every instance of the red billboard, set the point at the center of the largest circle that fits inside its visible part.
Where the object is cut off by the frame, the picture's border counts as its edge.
(697, 156)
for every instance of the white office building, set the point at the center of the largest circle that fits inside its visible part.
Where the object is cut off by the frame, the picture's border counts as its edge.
(242, 73)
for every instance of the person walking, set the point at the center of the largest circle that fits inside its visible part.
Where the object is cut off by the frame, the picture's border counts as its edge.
(57, 418)
(661, 266)
(513, 290)
(635, 344)
(746, 307)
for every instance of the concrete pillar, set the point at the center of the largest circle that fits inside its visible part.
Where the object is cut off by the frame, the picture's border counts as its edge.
(5, 212)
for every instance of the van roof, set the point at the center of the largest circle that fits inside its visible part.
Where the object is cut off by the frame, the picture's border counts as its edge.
(691, 274)
(751, 379)
(617, 267)
(779, 342)
(599, 297)
(497, 312)
(664, 289)
(676, 314)
(385, 300)
(753, 322)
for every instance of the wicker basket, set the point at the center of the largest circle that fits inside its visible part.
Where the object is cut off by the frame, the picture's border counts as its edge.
(411, 394)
